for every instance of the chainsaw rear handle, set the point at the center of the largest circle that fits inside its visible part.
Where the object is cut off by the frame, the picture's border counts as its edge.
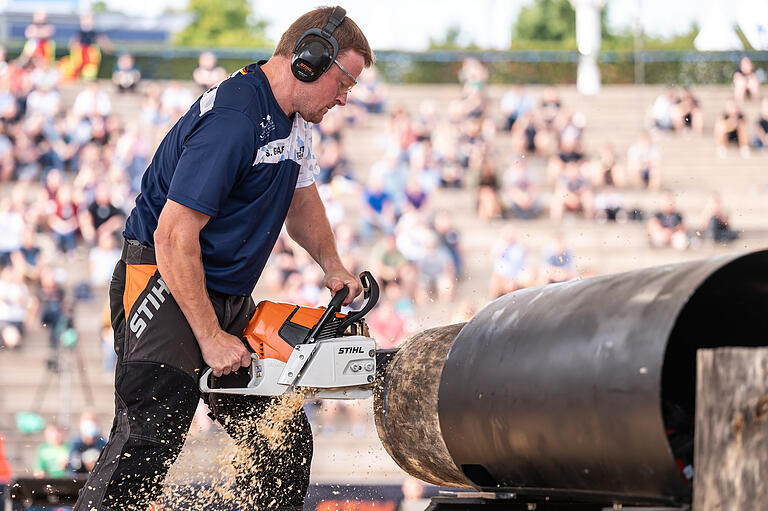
(371, 297)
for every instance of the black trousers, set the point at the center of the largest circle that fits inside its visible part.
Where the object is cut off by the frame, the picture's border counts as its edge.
(156, 394)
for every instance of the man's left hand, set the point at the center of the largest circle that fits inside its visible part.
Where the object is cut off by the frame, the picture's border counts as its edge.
(338, 278)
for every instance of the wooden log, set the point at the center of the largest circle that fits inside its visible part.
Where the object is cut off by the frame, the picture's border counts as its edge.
(406, 408)
(731, 439)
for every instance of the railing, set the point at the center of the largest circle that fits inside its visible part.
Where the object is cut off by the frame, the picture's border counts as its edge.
(514, 66)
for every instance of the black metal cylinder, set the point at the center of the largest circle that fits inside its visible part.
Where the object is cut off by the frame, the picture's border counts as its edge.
(586, 389)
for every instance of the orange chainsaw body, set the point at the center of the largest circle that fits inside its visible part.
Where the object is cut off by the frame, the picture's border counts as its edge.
(276, 328)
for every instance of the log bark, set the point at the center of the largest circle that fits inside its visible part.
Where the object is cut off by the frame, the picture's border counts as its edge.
(731, 439)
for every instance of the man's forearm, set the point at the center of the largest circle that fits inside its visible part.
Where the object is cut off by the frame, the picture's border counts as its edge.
(181, 267)
(308, 226)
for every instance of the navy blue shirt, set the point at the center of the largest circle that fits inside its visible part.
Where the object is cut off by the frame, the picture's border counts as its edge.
(236, 157)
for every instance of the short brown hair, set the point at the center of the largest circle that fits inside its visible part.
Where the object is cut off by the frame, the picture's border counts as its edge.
(348, 34)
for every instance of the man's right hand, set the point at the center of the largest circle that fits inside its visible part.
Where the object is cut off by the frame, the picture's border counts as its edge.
(224, 353)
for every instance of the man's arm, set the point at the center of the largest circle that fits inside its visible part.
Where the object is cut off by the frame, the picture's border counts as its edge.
(177, 250)
(308, 226)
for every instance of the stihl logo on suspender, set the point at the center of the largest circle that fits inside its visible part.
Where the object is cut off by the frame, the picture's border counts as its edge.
(347, 350)
(151, 302)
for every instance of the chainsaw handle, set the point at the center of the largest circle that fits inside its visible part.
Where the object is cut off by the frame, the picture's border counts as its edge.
(371, 296)
(247, 345)
(334, 306)
(338, 298)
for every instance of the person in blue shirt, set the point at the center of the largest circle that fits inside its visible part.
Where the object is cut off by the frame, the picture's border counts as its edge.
(228, 175)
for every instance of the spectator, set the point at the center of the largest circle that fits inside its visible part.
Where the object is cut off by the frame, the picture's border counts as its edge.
(413, 496)
(175, 100)
(416, 197)
(449, 238)
(92, 102)
(761, 132)
(731, 127)
(378, 208)
(84, 50)
(86, 446)
(514, 104)
(666, 227)
(745, 82)
(569, 151)
(65, 220)
(207, 73)
(45, 101)
(550, 109)
(386, 259)
(51, 304)
(715, 223)
(14, 308)
(103, 258)
(488, 205)
(11, 227)
(103, 217)
(5, 468)
(609, 205)
(369, 93)
(7, 163)
(643, 162)
(663, 110)
(558, 262)
(387, 326)
(473, 74)
(27, 259)
(573, 194)
(332, 163)
(606, 170)
(52, 455)
(510, 269)
(126, 75)
(519, 195)
(688, 115)
(436, 271)
(40, 44)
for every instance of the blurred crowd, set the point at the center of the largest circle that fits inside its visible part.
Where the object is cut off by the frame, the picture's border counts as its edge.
(70, 167)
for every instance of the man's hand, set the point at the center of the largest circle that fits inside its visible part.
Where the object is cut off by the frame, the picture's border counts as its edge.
(224, 353)
(338, 278)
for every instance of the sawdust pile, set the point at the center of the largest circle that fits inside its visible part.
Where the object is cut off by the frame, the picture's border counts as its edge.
(262, 443)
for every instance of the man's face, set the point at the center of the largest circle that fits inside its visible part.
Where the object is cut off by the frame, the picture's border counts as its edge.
(331, 89)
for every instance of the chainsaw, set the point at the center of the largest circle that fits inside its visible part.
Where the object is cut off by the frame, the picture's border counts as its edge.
(328, 354)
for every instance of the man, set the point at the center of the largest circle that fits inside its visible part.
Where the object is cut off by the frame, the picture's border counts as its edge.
(225, 178)
(86, 445)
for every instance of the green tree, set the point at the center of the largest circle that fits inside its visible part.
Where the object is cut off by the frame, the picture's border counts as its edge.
(451, 41)
(99, 6)
(223, 23)
(546, 20)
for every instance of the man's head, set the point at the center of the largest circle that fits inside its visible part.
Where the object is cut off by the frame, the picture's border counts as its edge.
(314, 98)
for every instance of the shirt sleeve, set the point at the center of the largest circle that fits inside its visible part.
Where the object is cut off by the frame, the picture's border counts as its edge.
(309, 168)
(212, 157)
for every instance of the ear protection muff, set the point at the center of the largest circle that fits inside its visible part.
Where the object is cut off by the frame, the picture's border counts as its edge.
(316, 49)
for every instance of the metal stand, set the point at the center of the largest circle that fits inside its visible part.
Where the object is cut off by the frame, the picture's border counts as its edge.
(491, 501)
(509, 501)
(60, 368)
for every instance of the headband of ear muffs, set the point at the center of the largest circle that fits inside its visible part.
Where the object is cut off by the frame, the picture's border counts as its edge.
(316, 49)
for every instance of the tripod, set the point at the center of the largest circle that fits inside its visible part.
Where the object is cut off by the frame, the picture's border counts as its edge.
(59, 366)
